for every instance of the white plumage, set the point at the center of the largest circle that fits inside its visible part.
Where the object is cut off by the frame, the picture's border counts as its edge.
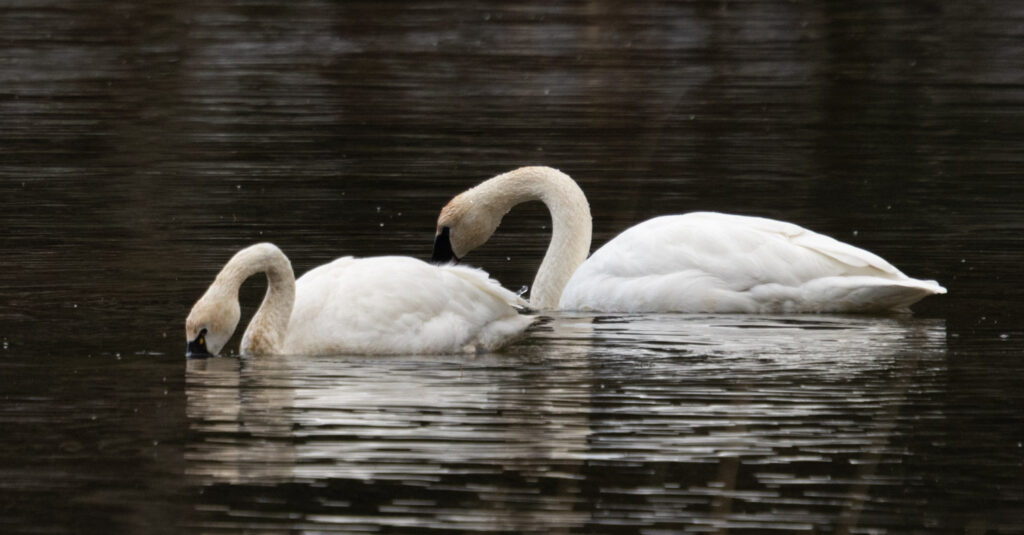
(698, 262)
(394, 304)
(381, 305)
(712, 262)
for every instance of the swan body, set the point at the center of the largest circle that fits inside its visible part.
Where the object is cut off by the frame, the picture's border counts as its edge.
(696, 262)
(379, 305)
(712, 262)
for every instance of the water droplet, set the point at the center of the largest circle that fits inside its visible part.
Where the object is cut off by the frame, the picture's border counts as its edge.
(855, 232)
(1004, 336)
(522, 291)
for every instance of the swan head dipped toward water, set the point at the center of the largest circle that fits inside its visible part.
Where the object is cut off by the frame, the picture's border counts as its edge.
(211, 323)
(465, 223)
(215, 315)
(470, 219)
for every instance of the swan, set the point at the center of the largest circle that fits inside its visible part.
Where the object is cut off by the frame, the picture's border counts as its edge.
(704, 262)
(378, 305)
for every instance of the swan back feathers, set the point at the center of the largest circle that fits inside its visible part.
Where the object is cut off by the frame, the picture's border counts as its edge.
(396, 304)
(712, 262)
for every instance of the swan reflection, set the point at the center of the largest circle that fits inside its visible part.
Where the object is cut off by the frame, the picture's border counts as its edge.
(522, 440)
(419, 422)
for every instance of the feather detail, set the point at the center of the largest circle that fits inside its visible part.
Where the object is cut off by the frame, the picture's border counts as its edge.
(711, 262)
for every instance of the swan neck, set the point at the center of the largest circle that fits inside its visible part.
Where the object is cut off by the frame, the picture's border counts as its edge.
(266, 331)
(570, 225)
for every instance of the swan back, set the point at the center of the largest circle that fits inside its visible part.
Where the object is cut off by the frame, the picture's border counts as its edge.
(711, 262)
(400, 305)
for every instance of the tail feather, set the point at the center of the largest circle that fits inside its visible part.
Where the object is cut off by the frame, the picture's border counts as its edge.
(482, 280)
(871, 294)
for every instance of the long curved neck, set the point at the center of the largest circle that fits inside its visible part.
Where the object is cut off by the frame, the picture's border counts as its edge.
(570, 224)
(266, 332)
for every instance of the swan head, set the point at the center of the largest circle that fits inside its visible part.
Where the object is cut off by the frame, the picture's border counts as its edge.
(465, 223)
(210, 324)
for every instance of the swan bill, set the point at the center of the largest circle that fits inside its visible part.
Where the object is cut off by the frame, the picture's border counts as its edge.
(443, 252)
(196, 349)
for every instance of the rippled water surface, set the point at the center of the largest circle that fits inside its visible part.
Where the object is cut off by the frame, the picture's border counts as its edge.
(142, 144)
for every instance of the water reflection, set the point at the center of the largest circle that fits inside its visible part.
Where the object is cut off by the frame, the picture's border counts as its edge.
(424, 423)
(141, 141)
(730, 420)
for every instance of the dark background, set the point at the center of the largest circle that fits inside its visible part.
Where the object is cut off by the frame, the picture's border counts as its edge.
(141, 144)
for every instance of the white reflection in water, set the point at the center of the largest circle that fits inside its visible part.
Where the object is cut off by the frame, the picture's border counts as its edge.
(776, 401)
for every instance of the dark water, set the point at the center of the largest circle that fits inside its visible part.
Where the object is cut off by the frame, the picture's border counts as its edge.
(141, 144)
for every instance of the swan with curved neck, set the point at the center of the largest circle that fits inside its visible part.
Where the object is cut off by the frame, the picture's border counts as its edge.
(696, 262)
(470, 219)
(380, 305)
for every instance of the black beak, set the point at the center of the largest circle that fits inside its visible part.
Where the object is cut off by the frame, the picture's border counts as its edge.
(443, 248)
(196, 349)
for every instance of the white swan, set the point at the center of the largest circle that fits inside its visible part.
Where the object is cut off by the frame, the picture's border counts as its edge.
(697, 262)
(381, 305)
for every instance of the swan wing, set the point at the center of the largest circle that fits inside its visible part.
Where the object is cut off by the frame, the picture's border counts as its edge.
(400, 305)
(843, 253)
(712, 262)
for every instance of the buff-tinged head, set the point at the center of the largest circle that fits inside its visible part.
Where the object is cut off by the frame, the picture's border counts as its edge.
(211, 323)
(465, 223)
